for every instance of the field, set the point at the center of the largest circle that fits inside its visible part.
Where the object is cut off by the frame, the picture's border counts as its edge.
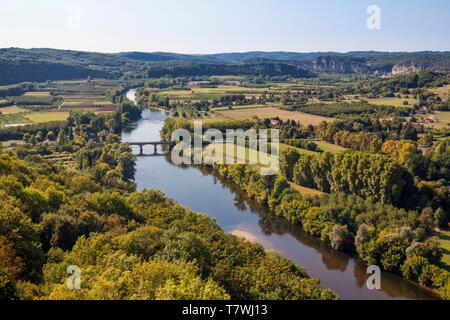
(12, 119)
(241, 107)
(40, 117)
(444, 239)
(396, 102)
(300, 150)
(209, 93)
(329, 147)
(271, 112)
(442, 92)
(12, 110)
(443, 119)
(443, 122)
(35, 99)
(305, 191)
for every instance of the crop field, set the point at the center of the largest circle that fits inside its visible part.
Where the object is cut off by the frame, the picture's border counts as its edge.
(271, 112)
(46, 116)
(12, 119)
(209, 93)
(35, 99)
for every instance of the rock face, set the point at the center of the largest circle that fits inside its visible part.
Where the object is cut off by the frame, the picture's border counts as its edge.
(340, 65)
(399, 69)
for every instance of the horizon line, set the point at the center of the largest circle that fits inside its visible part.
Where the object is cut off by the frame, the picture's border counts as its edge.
(227, 52)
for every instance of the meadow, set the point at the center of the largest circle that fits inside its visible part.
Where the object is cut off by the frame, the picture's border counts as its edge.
(394, 101)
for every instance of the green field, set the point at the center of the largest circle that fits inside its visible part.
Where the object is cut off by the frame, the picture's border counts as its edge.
(396, 102)
(284, 146)
(40, 117)
(329, 147)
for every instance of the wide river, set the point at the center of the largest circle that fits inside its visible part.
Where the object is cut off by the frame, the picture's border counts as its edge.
(236, 214)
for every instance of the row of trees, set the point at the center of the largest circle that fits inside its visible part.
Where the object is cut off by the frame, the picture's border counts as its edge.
(359, 173)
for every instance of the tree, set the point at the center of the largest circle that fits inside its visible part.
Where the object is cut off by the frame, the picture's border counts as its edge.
(7, 286)
(441, 218)
(9, 261)
(50, 136)
(340, 238)
(426, 219)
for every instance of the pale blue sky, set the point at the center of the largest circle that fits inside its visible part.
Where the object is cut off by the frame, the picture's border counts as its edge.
(211, 26)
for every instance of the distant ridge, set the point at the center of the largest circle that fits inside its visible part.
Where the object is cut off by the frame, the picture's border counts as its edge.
(41, 64)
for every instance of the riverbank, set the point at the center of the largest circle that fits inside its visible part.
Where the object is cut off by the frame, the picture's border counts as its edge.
(237, 214)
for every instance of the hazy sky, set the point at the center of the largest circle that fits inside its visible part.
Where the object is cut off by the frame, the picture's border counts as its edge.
(210, 26)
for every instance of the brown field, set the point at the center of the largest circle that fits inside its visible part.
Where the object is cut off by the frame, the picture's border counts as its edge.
(271, 112)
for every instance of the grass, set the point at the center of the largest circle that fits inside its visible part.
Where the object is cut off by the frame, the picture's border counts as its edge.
(395, 102)
(329, 147)
(305, 191)
(13, 110)
(271, 112)
(444, 240)
(284, 146)
(40, 117)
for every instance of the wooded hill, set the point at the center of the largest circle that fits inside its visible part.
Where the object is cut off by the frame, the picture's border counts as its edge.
(38, 65)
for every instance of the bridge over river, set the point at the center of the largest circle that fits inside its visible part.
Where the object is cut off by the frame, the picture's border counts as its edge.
(155, 145)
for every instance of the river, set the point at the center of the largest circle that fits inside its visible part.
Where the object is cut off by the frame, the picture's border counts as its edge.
(201, 191)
